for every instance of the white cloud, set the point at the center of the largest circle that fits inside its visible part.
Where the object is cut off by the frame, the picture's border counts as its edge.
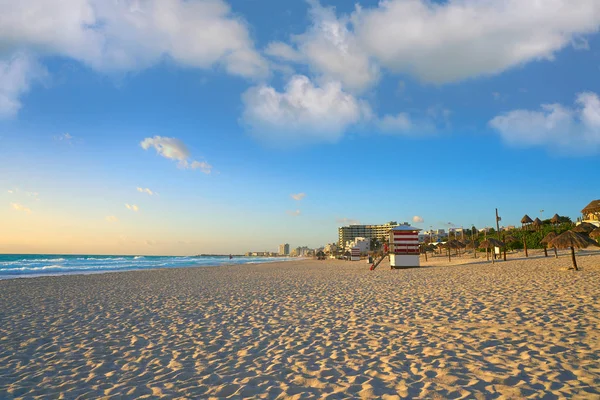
(145, 190)
(131, 34)
(417, 220)
(395, 123)
(457, 39)
(132, 207)
(303, 112)
(437, 42)
(20, 207)
(175, 149)
(202, 166)
(16, 77)
(64, 137)
(298, 196)
(111, 219)
(574, 131)
(294, 213)
(330, 50)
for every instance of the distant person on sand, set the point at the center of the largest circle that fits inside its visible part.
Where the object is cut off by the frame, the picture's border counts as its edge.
(230, 256)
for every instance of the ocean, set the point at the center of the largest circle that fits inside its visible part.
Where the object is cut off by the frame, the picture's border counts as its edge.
(28, 265)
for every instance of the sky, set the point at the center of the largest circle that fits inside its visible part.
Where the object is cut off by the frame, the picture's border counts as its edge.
(180, 127)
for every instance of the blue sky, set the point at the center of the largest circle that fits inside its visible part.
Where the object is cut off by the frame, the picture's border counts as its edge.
(185, 127)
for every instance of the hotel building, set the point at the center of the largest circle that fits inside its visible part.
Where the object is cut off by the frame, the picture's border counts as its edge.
(351, 232)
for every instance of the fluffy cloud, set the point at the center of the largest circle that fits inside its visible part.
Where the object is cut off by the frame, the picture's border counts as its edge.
(457, 39)
(132, 34)
(111, 219)
(132, 207)
(298, 196)
(65, 137)
(330, 50)
(417, 220)
(16, 77)
(293, 213)
(395, 123)
(175, 149)
(145, 190)
(564, 130)
(302, 112)
(437, 42)
(20, 207)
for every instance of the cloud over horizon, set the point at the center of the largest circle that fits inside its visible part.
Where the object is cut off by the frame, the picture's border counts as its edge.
(175, 149)
(298, 196)
(132, 207)
(562, 129)
(20, 207)
(303, 112)
(436, 42)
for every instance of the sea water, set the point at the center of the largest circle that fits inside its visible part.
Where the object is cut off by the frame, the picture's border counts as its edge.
(28, 265)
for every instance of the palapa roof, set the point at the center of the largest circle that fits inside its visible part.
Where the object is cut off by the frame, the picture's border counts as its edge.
(526, 220)
(571, 239)
(595, 234)
(491, 242)
(472, 244)
(548, 238)
(593, 207)
(509, 238)
(537, 222)
(555, 219)
(585, 228)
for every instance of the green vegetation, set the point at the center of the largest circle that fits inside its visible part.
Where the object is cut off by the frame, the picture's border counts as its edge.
(532, 237)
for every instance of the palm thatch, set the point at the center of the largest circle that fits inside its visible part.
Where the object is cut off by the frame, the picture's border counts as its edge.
(509, 239)
(472, 244)
(585, 227)
(490, 242)
(592, 208)
(595, 234)
(537, 223)
(526, 220)
(570, 239)
(555, 219)
(548, 238)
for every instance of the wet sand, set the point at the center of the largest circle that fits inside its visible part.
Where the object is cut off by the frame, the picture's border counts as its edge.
(308, 329)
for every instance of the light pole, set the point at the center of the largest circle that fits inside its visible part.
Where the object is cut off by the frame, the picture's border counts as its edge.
(541, 213)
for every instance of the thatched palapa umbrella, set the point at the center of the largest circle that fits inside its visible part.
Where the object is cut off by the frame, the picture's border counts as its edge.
(584, 228)
(473, 244)
(555, 220)
(490, 243)
(595, 234)
(525, 221)
(546, 240)
(572, 240)
(537, 224)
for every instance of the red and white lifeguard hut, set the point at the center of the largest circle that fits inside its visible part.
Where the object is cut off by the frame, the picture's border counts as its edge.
(404, 247)
(355, 254)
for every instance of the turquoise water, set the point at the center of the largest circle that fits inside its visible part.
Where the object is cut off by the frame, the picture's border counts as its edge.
(21, 265)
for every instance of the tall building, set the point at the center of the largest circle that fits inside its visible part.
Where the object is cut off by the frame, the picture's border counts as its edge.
(284, 249)
(349, 233)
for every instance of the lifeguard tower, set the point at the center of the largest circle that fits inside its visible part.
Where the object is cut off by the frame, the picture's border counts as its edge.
(355, 254)
(402, 248)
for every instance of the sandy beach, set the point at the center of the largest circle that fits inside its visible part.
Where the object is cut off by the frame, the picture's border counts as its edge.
(525, 328)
